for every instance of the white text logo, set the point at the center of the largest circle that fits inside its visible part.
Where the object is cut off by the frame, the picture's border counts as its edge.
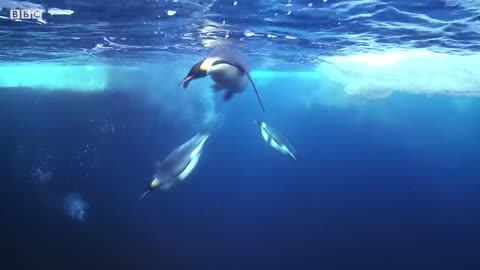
(26, 14)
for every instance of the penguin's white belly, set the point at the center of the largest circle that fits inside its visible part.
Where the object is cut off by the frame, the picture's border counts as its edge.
(281, 148)
(274, 144)
(194, 158)
(265, 135)
(188, 170)
(228, 77)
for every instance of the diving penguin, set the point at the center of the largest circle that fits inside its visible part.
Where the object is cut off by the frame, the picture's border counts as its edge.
(178, 164)
(273, 138)
(228, 68)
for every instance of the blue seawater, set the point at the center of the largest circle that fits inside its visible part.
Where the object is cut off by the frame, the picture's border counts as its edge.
(379, 98)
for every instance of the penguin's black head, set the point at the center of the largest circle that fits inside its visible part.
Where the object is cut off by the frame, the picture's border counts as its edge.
(196, 72)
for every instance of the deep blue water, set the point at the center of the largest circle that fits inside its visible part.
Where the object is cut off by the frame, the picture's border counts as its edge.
(363, 194)
(390, 183)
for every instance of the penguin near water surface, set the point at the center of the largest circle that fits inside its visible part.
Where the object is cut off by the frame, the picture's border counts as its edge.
(228, 68)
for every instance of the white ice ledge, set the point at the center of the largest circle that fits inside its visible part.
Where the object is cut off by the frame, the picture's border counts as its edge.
(373, 76)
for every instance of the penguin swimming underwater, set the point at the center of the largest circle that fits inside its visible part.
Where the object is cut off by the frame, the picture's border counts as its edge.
(273, 138)
(178, 164)
(228, 68)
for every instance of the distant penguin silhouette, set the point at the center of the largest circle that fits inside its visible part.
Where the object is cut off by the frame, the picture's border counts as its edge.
(178, 164)
(275, 140)
(228, 68)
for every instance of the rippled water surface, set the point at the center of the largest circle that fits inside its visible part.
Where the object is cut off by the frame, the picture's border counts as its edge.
(283, 30)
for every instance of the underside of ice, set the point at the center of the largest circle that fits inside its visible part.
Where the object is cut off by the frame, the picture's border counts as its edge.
(374, 76)
(336, 81)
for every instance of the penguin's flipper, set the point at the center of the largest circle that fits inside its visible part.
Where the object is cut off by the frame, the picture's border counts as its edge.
(256, 91)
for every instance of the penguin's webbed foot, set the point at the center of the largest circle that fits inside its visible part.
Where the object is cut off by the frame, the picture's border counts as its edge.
(228, 95)
(216, 87)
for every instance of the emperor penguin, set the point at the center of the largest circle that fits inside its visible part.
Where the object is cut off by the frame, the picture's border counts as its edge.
(275, 140)
(228, 69)
(178, 164)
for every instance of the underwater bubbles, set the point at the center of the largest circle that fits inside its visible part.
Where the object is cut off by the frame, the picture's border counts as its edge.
(34, 165)
(75, 207)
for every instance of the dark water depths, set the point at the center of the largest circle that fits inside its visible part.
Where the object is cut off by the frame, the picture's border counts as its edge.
(366, 193)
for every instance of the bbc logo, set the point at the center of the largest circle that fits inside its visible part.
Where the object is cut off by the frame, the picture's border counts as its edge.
(26, 14)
